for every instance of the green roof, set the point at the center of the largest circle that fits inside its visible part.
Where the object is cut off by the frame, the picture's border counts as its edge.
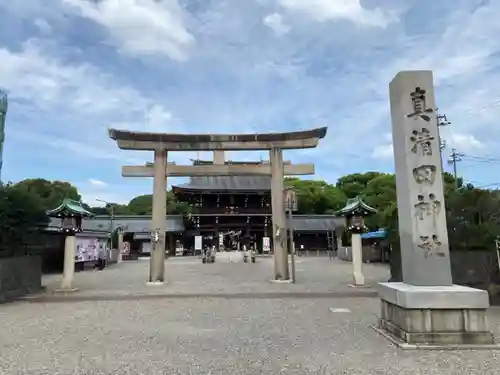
(69, 207)
(356, 206)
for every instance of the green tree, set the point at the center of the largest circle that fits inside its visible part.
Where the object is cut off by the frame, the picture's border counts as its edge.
(353, 185)
(473, 219)
(50, 193)
(22, 216)
(316, 196)
(143, 205)
(380, 193)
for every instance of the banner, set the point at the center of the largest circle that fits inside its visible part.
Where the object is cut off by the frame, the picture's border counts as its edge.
(198, 243)
(87, 249)
(126, 247)
(266, 244)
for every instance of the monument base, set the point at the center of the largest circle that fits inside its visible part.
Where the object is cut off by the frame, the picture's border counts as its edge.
(66, 290)
(360, 286)
(155, 283)
(434, 316)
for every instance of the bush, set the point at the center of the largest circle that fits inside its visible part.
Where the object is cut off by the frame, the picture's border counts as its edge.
(22, 218)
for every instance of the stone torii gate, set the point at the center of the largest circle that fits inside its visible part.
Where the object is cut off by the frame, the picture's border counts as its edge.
(161, 143)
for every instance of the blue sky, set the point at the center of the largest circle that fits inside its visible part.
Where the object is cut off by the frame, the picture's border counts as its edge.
(74, 68)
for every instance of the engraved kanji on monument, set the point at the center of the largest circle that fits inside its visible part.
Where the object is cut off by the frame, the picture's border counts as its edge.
(421, 210)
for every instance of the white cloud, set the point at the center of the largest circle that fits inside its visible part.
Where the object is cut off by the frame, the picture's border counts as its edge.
(85, 98)
(95, 198)
(33, 75)
(140, 27)
(275, 22)
(383, 152)
(98, 193)
(155, 119)
(465, 142)
(461, 141)
(96, 182)
(43, 26)
(351, 10)
(158, 120)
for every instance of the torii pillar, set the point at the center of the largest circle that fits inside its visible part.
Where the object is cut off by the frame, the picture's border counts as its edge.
(280, 247)
(157, 268)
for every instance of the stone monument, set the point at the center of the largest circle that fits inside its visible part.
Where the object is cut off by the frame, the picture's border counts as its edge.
(426, 309)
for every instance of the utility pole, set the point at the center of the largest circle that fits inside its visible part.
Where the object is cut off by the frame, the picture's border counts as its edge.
(111, 206)
(3, 114)
(454, 158)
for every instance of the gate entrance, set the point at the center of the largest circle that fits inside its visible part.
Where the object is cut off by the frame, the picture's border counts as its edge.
(160, 169)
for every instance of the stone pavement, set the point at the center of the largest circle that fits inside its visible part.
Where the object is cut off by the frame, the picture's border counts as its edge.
(216, 319)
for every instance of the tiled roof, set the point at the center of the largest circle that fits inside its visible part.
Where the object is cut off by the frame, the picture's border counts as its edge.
(142, 224)
(69, 207)
(174, 223)
(317, 223)
(355, 204)
(224, 183)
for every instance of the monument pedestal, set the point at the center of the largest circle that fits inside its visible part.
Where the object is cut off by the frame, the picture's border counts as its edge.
(434, 316)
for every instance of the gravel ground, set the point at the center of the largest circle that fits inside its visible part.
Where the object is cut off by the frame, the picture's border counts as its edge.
(199, 335)
(189, 275)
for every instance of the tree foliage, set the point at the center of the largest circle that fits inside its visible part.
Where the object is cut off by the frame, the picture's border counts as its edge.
(353, 185)
(473, 214)
(22, 214)
(50, 193)
(316, 196)
(143, 205)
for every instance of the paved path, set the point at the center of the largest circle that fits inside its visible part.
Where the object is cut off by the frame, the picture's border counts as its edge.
(206, 334)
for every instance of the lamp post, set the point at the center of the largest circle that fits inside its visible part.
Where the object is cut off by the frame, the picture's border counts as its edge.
(111, 220)
(291, 204)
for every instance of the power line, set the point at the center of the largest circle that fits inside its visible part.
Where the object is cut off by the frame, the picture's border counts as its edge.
(482, 159)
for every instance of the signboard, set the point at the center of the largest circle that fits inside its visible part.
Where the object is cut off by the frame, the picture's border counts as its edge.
(198, 243)
(179, 248)
(126, 248)
(266, 244)
(86, 249)
(221, 240)
(146, 247)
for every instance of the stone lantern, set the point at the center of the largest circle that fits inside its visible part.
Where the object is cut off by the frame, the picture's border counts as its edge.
(354, 212)
(71, 213)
